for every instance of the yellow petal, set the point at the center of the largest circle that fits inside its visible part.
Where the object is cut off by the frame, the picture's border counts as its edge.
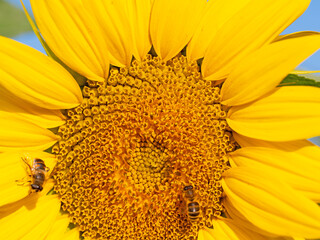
(217, 13)
(244, 141)
(114, 23)
(72, 35)
(294, 35)
(222, 230)
(304, 148)
(32, 220)
(14, 175)
(304, 72)
(173, 23)
(255, 25)
(18, 134)
(264, 69)
(289, 113)
(299, 171)
(35, 78)
(244, 223)
(227, 229)
(42, 117)
(71, 235)
(11, 170)
(271, 204)
(60, 229)
(206, 234)
(139, 19)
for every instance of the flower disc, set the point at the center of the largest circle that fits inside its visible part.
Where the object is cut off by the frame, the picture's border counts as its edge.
(134, 143)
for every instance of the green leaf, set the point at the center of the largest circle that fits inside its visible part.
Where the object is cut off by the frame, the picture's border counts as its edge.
(12, 20)
(71, 226)
(51, 192)
(296, 80)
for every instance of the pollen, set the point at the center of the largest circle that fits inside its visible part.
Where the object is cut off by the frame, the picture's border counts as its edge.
(135, 142)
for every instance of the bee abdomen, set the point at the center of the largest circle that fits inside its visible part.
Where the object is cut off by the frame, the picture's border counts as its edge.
(39, 177)
(38, 164)
(193, 210)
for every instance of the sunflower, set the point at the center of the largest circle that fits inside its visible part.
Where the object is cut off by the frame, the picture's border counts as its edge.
(179, 130)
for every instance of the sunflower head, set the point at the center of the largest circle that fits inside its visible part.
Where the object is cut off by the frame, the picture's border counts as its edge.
(179, 131)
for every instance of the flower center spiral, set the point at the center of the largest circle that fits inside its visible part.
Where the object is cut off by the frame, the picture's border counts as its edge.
(135, 142)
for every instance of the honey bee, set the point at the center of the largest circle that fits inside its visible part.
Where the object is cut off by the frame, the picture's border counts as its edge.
(38, 172)
(193, 207)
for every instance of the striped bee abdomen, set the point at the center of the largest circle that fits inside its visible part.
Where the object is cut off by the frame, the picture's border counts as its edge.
(38, 164)
(193, 210)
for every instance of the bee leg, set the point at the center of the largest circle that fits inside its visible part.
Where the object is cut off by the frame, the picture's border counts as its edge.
(28, 167)
(26, 162)
(23, 181)
(31, 191)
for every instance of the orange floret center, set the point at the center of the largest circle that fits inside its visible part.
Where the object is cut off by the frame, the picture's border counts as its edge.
(135, 142)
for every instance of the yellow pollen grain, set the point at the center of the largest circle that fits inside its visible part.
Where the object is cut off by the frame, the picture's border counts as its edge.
(135, 142)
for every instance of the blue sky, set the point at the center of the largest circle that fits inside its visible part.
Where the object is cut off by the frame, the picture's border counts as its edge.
(309, 21)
